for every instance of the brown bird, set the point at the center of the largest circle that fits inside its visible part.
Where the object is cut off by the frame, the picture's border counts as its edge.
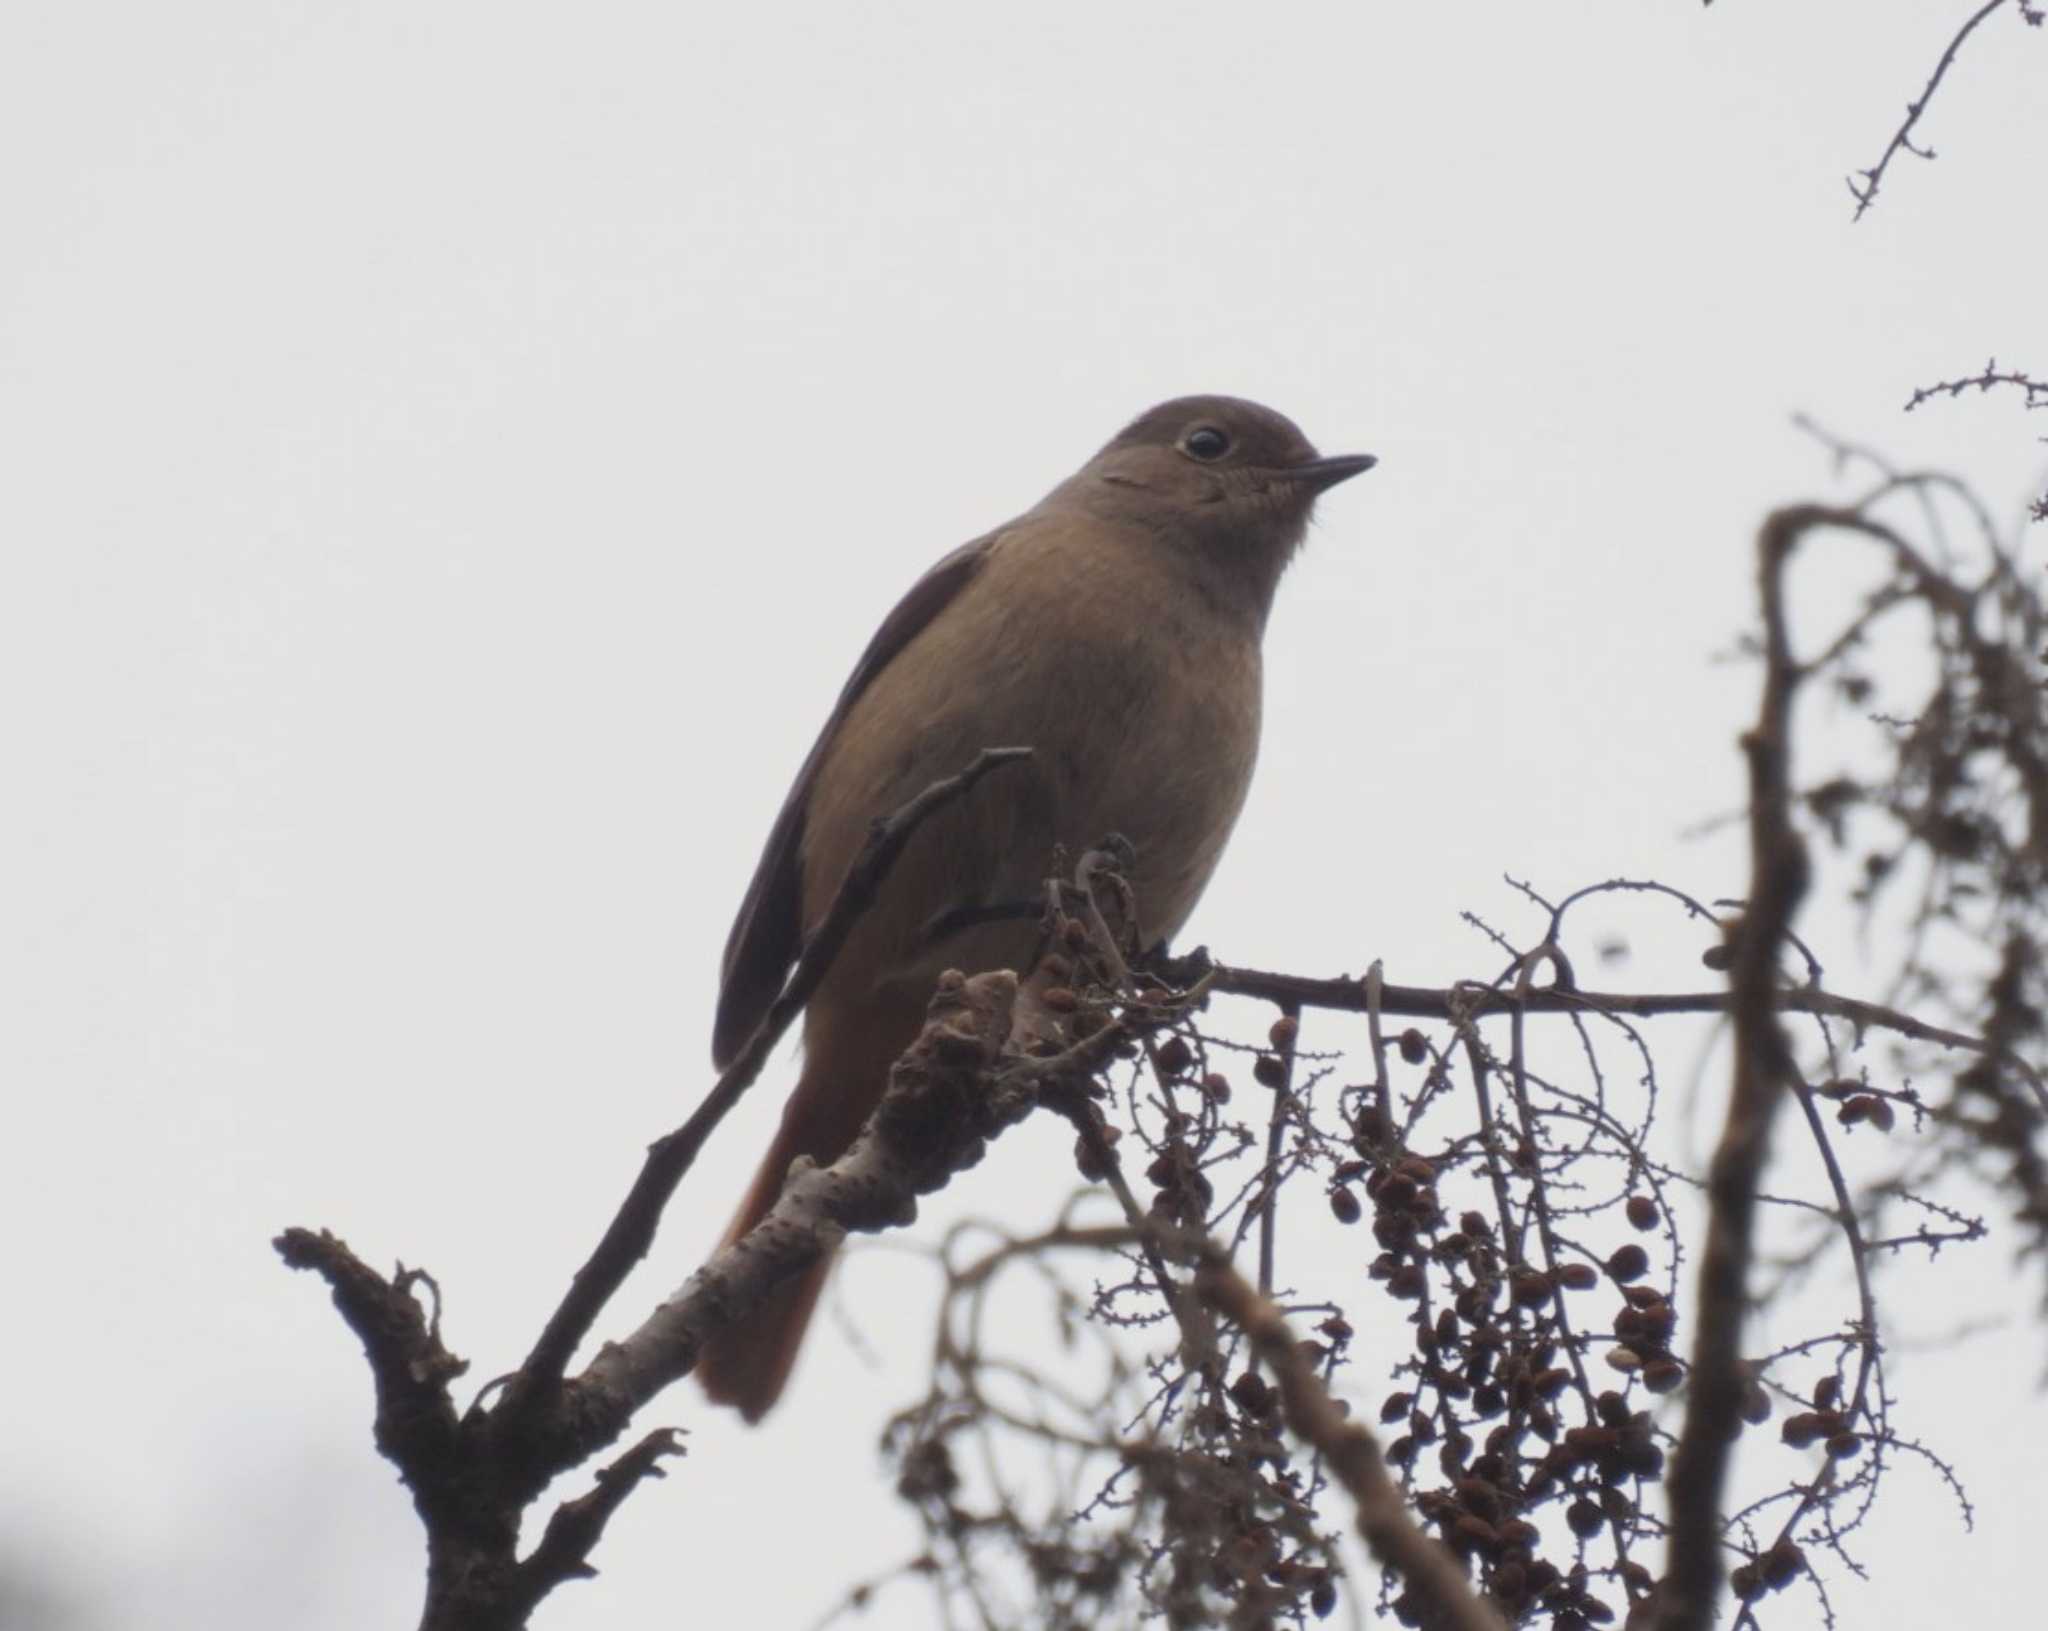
(1114, 629)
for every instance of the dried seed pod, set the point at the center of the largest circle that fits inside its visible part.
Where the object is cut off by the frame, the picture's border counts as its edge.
(1475, 1225)
(1370, 1130)
(1548, 1384)
(1530, 1288)
(1479, 1497)
(1268, 1071)
(1653, 1324)
(1628, 1262)
(1782, 1565)
(1344, 1205)
(1253, 1394)
(1643, 1213)
(1322, 1596)
(1174, 1056)
(1663, 1374)
(1624, 1359)
(1826, 1391)
(1474, 1533)
(1414, 1046)
(1578, 1276)
(1801, 1430)
(1843, 1445)
(1746, 1581)
(1282, 1032)
(1487, 1336)
(1586, 1519)
(1756, 1403)
(1407, 1281)
(1394, 1231)
(1396, 1406)
(1337, 1328)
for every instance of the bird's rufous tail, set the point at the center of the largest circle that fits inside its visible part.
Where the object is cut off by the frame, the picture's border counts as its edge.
(848, 1049)
(748, 1364)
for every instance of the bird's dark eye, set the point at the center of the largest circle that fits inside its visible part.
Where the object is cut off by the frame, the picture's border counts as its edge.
(1206, 442)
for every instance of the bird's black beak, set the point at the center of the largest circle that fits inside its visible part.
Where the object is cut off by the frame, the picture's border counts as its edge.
(1319, 475)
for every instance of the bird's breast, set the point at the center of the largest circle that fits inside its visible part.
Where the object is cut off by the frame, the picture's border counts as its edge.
(1141, 707)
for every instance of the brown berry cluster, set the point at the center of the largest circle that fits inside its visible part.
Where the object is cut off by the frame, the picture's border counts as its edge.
(1236, 1481)
(1496, 1382)
(1826, 1423)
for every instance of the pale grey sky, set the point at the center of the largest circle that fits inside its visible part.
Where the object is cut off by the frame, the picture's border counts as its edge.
(453, 453)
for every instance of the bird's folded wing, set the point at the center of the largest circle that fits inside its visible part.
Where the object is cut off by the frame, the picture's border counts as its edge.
(768, 932)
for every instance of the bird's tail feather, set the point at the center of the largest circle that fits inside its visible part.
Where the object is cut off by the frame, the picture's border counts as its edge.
(847, 1053)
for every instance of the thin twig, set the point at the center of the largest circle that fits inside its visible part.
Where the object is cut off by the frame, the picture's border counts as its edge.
(1471, 1001)
(1902, 138)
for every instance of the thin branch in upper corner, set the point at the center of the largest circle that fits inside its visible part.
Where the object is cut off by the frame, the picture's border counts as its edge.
(2034, 392)
(1863, 184)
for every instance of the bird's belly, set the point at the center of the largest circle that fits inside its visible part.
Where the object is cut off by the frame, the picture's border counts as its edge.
(1127, 737)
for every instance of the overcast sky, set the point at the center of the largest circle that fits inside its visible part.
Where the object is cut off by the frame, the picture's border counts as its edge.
(450, 455)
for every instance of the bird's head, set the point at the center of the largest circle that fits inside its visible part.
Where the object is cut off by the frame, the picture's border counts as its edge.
(1229, 476)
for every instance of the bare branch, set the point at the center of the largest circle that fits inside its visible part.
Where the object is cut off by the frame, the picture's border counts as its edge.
(1347, 995)
(1865, 191)
(669, 1158)
(1764, 1072)
(2034, 394)
(946, 1099)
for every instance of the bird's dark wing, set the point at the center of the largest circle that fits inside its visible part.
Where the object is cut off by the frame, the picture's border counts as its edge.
(768, 933)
